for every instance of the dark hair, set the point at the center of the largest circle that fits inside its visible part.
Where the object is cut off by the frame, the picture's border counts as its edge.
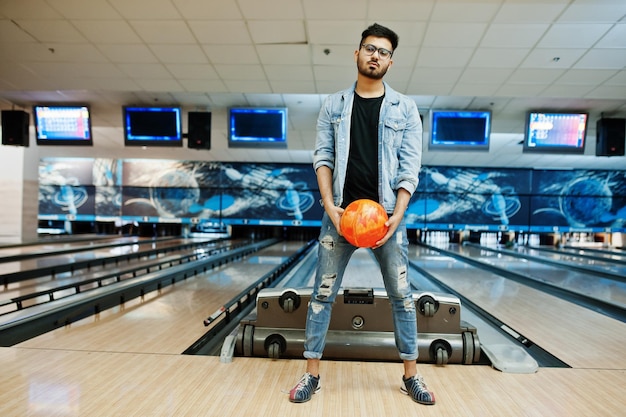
(380, 31)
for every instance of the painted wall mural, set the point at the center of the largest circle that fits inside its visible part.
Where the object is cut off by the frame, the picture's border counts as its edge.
(287, 194)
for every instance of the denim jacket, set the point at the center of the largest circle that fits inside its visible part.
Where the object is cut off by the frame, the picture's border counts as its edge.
(399, 143)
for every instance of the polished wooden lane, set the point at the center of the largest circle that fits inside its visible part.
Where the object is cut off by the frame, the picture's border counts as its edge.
(49, 256)
(125, 269)
(46, 382)
(578, 336)
(126, 362)
(170, 320)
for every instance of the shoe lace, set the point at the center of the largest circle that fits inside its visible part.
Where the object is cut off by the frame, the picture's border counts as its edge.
(304, 381)
(420, 383)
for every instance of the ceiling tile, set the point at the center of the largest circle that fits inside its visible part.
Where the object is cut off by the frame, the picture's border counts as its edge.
(163, 31)
(289, 72)
(614, 38)
(240, 72)
(459, 11)
(224, 32)
(28, 9)
(284, 54)
(145, 71)
(573, 35)
(603, 59)
(585, 76)
(74, 52)
(608, 91)
(533, 12)
(107, 31)
(248, 86)
(498, 57)
(204, 85)
(159, 84)
(208, 9)
(345, 9)
(454, 35)
(594, 11)
(329, 73)
(338, 55)
(520, 90)
(12, 31)
(485, 75)
(438, 75)
(293, 86)
(184, 54)
(231, 54)
(399, 10)
(536, 76)
(80, 9)
(467, 89)
(273, 32)
(552, 58)
(618, 79)
(48, 31)
(335, 32)
(271, 9)
(571, 90)
(508, 35)
(128, 53)
(444, 57)
(146, 9)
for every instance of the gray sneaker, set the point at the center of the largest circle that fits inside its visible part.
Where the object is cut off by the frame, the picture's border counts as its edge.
(417, 390)
(305, 388)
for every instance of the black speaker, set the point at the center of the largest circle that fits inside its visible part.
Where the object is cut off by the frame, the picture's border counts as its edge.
(199, 130)
(610, 137)
(15, 127)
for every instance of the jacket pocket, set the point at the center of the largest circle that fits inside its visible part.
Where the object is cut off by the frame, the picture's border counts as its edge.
(393, 132)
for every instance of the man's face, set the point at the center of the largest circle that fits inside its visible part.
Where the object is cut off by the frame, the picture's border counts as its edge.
(373, 66)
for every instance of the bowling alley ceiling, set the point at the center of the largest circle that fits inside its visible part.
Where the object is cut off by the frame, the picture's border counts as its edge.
(508, 56)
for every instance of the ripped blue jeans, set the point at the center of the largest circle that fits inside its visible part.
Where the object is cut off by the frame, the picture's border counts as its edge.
(333, 255)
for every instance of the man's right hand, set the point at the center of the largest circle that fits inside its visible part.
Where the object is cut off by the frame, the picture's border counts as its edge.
(335, 213)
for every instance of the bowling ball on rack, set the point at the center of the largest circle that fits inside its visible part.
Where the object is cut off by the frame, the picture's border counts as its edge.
(363, 223)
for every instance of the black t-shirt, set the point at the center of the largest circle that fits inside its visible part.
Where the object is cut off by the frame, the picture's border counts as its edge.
(362, 172)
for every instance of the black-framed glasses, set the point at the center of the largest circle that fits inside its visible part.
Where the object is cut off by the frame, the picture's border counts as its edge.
(382, 52)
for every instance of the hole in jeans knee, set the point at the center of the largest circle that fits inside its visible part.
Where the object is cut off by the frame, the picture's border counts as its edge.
(326, 287)
(327, 242)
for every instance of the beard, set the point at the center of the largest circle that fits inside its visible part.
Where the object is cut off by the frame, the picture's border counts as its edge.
(369, 70)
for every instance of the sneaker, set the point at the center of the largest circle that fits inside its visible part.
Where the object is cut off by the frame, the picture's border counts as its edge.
(305, 388)
(417, 390)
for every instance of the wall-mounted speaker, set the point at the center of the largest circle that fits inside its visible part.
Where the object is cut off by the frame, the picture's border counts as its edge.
(15, 127)
(610, 137)
(199, 130)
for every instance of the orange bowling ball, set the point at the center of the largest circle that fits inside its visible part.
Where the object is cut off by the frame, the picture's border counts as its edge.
(363, 223)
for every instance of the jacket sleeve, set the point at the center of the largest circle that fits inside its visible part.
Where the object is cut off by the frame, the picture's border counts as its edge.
(324, 153)
(410, 152)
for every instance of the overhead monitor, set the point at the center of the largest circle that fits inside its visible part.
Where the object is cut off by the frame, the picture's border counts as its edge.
(152, 126)
(555, 132)
(257, 127)
(67, 125)
(460, 130)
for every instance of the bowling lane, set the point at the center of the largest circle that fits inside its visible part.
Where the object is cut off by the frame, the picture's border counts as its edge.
(606, 253)
(97, 253)
(594, 263)
(168, 321)
(49, 283)
(50, 247)
(576, 335)
(602, 289)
